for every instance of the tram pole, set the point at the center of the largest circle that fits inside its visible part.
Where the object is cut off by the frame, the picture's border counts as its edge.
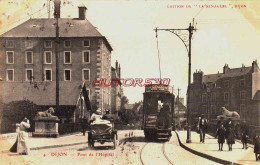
(187, 42)
(57, 16)
(188, 140)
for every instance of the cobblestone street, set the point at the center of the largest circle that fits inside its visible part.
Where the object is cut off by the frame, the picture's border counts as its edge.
(130, 150)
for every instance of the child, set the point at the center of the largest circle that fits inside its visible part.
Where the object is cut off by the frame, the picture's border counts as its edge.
(221, 137)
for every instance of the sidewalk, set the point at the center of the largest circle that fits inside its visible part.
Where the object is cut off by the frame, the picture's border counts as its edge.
(209, 149)
(36, 143)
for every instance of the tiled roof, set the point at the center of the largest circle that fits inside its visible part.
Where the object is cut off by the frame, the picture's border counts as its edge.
(229, 73)
(44, 27)
(237, 72)
(181, 106)
(212, 77)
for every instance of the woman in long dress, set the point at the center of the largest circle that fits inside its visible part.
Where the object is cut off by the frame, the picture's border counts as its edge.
(22, 144)
(230, 134)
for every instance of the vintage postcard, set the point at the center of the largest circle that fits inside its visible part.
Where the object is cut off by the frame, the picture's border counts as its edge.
(141, 82)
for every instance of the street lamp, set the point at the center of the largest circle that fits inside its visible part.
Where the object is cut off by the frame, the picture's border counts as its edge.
(208, 100)
(186, 39)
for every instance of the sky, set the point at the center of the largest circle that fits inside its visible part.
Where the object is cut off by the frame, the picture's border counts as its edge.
(224, 36)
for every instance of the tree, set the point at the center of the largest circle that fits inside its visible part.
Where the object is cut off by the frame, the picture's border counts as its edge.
(124, 101)
(14, 112)
(94, 103)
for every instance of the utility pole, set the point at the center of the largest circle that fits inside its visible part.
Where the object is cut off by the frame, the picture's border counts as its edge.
(57, 16)
(186, 39)
(178, 105)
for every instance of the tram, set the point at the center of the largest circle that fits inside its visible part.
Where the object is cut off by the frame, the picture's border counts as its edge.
(158, 112)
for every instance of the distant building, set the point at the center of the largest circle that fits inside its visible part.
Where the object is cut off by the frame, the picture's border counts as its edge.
(116, 89)
(129, 106)
(179, 110)
(28, 67)
(237, 89)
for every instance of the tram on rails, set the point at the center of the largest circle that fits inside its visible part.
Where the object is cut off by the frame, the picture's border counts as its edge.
(158, 111)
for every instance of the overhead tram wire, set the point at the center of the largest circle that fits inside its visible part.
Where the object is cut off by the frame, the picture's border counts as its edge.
(158, 55)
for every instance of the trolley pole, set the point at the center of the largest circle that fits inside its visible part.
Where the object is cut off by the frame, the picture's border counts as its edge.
(186, 39)
(57, 16)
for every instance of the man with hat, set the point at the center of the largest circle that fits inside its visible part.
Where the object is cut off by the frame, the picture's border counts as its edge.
(202, 128)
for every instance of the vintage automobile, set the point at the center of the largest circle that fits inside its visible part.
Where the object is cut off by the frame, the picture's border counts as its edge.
(102, 131)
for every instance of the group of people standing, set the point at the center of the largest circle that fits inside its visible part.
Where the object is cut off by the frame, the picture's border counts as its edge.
(226, 132)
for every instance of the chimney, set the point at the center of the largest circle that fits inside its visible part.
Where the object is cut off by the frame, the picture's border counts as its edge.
(82, 12)
(119, 71)
(225, 68)
(116, 66)
(255, 67)
(57, 8)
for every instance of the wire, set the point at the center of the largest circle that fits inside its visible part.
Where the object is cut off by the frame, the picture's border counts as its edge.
(158, 55)
(198, 13)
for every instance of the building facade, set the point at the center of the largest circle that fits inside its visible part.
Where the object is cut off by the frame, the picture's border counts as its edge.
(29, 61)
(116, 89)
(237, 89)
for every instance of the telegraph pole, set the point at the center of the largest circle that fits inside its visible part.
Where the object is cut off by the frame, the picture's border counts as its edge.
(57, 16)
(178, 105)
(187, 42)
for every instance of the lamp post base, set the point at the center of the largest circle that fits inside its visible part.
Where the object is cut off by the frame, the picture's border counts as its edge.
(188, 140)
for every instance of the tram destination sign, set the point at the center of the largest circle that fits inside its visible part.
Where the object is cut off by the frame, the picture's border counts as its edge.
(155, 88)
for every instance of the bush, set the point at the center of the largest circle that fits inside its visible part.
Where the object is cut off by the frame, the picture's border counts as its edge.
(14, 112)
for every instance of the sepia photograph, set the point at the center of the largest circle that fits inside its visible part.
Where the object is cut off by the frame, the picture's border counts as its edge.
(129, 82)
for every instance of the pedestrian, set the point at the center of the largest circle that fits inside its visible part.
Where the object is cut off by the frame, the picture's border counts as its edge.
(257, 145)
(221, 137)
(163, 116)
(244, 137)
(202, 128)
(220, 122)
(21, 143)
(198, 125)
(84, 125)
(230, 134)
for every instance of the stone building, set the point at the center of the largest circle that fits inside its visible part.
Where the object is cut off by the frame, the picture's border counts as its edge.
(237, 89)
(28, 65)
(116, 89)
(179, 111)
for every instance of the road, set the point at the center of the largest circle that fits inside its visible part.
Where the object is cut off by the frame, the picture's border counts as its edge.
(130, 150)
